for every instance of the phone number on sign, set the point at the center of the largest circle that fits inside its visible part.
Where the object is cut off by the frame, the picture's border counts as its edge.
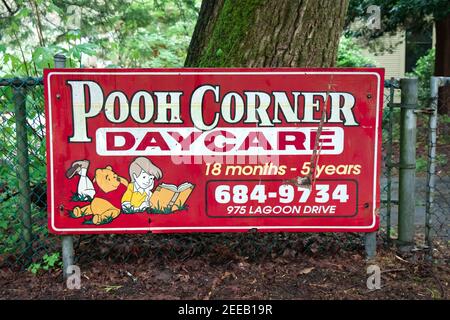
(273, 198)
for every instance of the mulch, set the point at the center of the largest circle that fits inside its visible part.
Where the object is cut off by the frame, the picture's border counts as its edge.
(226, 274)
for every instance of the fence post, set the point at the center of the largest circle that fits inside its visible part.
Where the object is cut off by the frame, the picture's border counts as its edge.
(407, 165)
(431, 165)
(67, 241)
(23, 169)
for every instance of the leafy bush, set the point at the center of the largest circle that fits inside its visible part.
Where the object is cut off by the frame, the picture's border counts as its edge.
(49, 262)
(350, 54)
(116, 33)
(424, 70)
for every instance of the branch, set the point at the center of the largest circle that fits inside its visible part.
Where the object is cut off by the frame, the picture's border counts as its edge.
(7, 7)
(38, 23)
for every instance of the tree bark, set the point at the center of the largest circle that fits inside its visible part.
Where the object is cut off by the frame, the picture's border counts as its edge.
(442, 62)
(271, 33)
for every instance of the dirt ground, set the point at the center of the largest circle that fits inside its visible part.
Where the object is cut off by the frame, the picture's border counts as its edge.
(224, 272)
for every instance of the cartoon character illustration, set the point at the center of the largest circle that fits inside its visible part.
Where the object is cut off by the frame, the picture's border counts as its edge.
(85, 187)
(110, 194)
(106, 191)
(143, 174)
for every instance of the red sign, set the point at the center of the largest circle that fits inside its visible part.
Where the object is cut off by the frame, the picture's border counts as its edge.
(213, 150)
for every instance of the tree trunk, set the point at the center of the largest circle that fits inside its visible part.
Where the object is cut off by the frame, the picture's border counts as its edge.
(271, 33)
(442, 62)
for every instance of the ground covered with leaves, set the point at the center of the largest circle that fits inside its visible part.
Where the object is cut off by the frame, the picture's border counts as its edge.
(247, 266)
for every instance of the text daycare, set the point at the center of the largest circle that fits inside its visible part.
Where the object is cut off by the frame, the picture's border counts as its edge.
(263, 109)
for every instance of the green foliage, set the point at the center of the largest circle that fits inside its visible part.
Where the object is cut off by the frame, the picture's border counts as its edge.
(159, 209)
(10, 230)
(166, 210)
(181, 207)
(76, 197)
(144, 33)
(131, 210)
(425, 65)
(11, 240)
(422, 162)
(411, 15)
(350, 54)
(424, 70)
(49, 262)
(105, 221)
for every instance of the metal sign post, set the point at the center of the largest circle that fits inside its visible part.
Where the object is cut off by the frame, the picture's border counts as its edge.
(67, 240)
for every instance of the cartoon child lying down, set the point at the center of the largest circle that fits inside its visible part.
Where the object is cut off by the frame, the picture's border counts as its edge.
(143, 174)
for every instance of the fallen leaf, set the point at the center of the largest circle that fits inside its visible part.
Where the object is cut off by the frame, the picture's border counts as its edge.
(111, 288)
(307, 270)
(401, 259)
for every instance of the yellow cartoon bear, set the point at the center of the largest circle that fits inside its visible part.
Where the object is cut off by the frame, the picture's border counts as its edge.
(107, 190)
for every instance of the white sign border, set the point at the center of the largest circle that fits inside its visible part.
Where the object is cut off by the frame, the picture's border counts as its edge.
(200, 228)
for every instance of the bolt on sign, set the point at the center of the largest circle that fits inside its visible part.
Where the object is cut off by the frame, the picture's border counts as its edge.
(213, 150)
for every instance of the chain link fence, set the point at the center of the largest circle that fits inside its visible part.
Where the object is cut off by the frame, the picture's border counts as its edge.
(25, 242)
(438, 171)
(390, 152)
(23, 200)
